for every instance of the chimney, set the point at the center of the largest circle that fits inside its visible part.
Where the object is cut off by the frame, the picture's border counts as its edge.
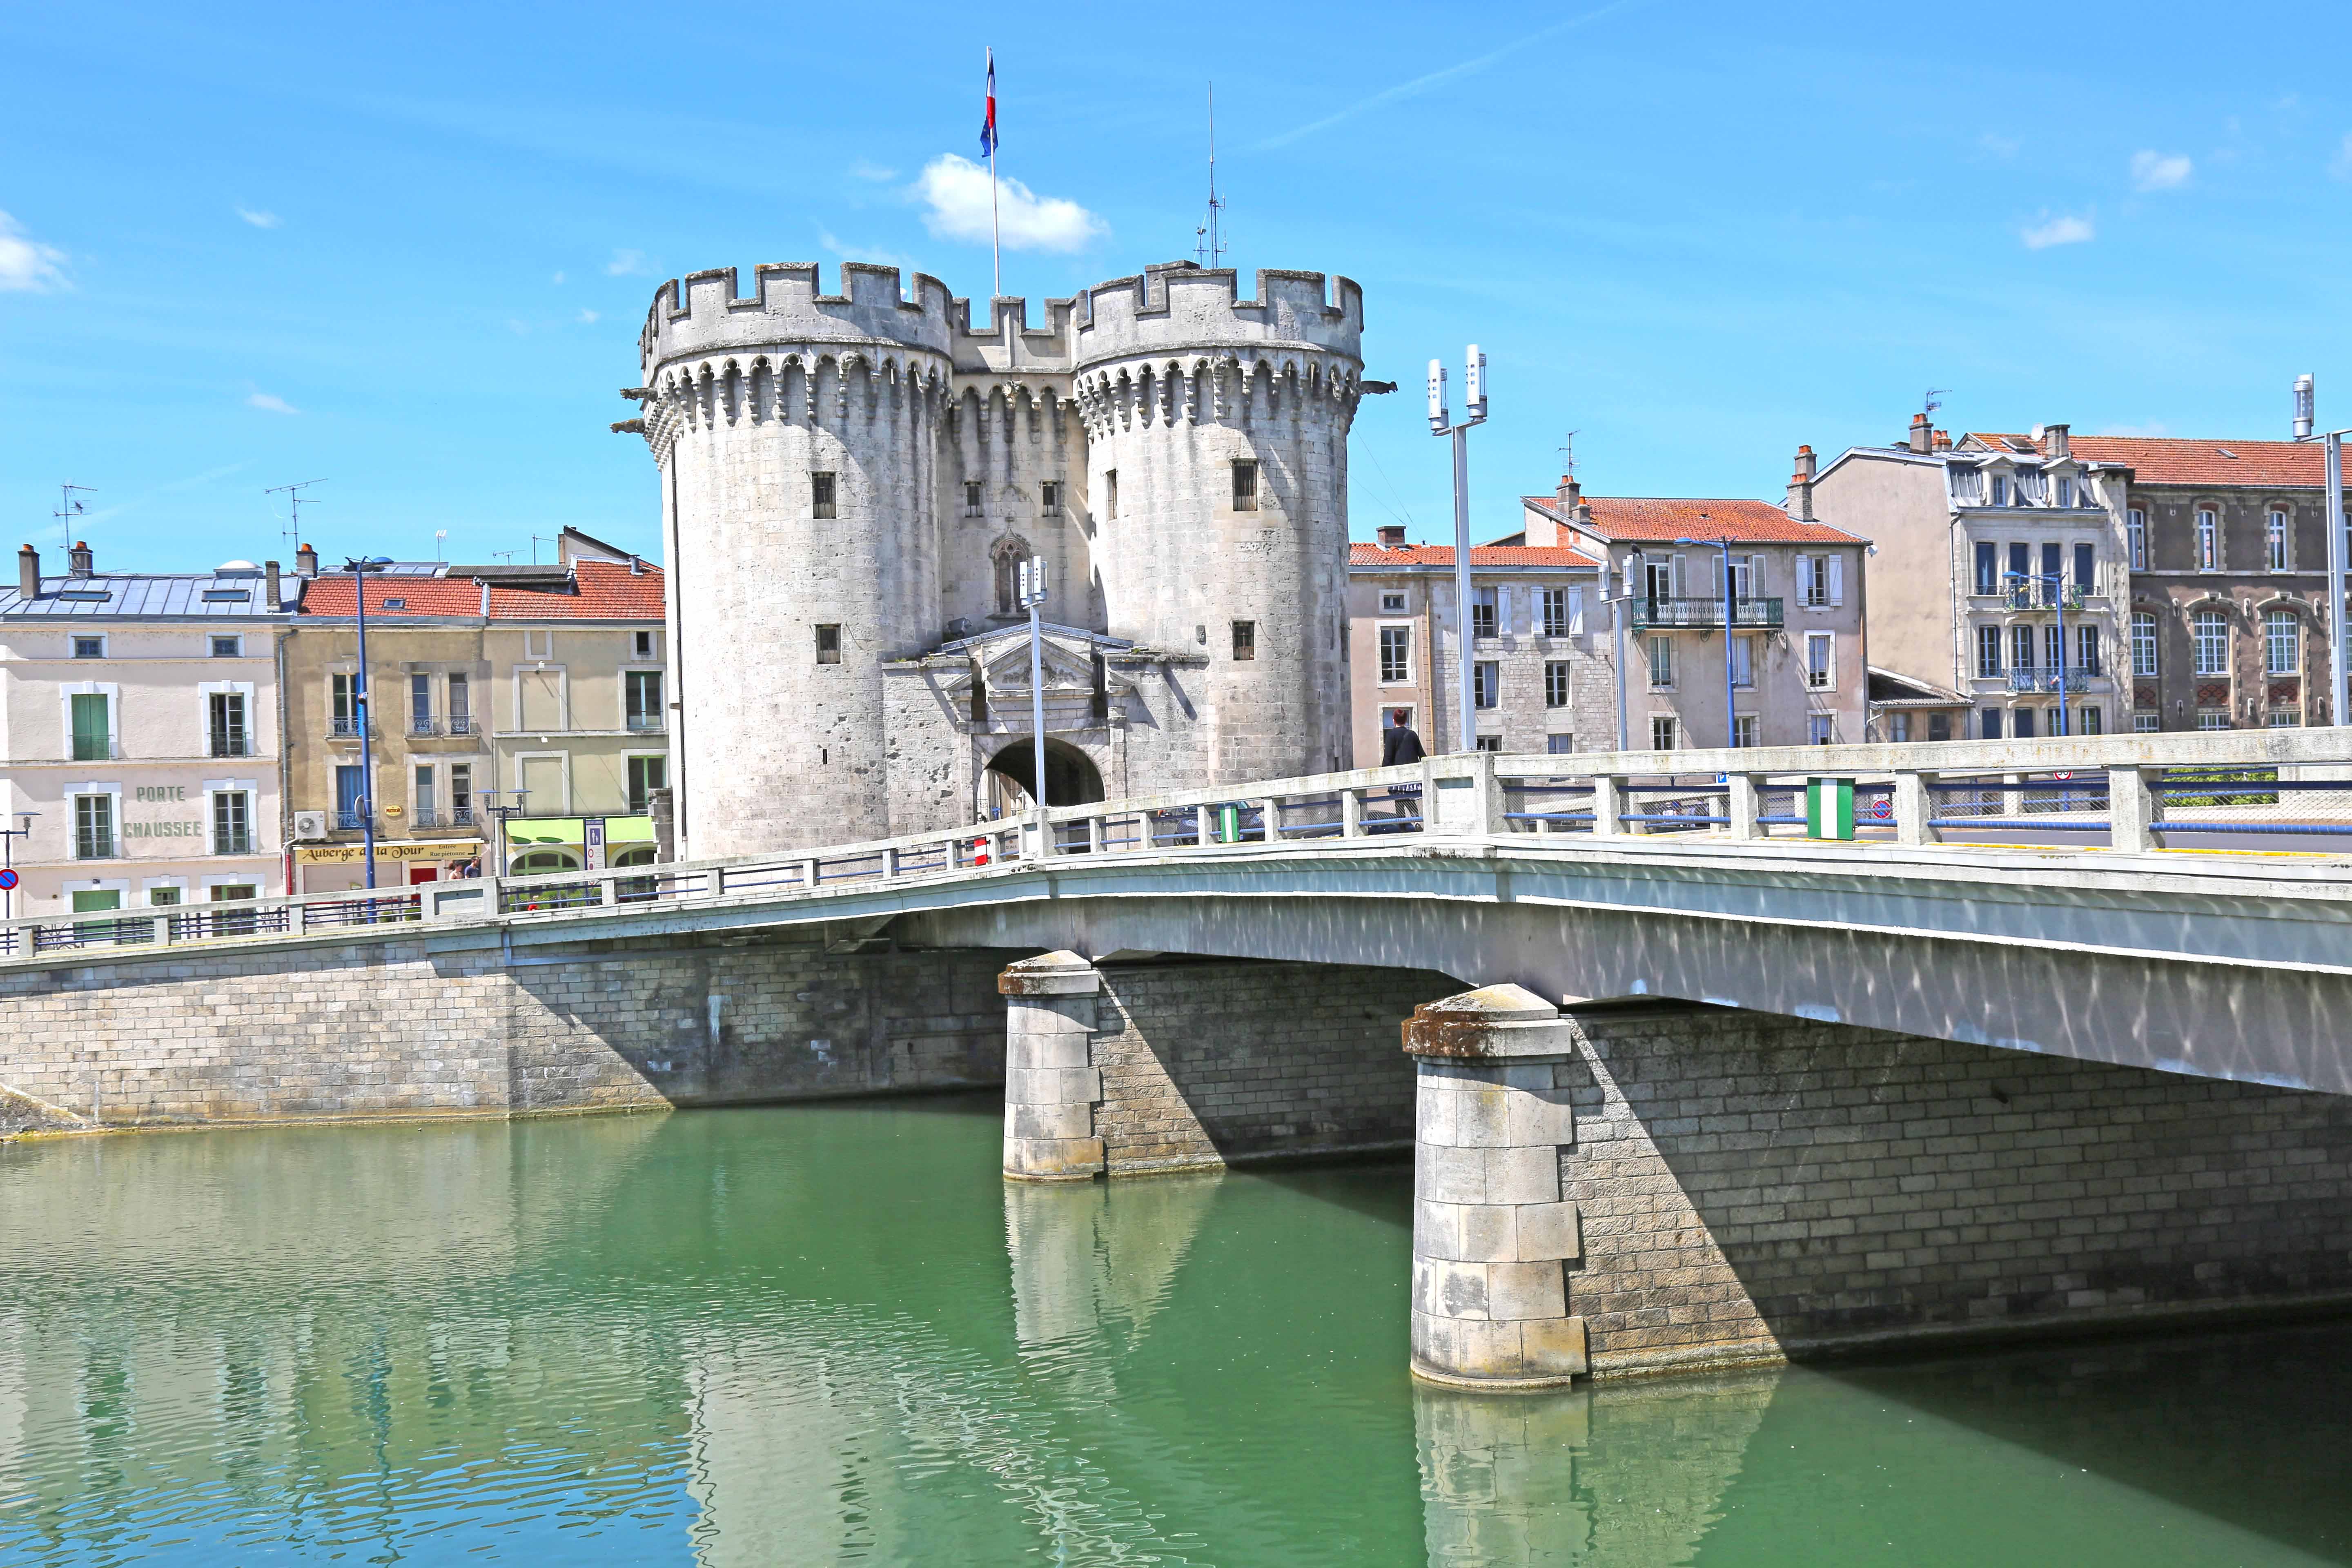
(269, 587)
(306, 562)
(1922, 435)
(1584, 512)
(78, 558)
(1800, 487)
(28, 573)
(2054, 443)
(636, 565)
(1943, 440)
(1571, 492)
(1391, 536)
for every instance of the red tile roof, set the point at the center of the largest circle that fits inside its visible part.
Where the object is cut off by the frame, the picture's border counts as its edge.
(608, 591)
(2173, 460)
(1656, 519)
(1480, 555)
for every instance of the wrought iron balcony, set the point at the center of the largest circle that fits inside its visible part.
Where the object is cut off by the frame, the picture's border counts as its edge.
(1757, 615)
(2077, 678)
(345, 726)
(349, 821)
(459, 724)
(422, 724)
(2043, 596)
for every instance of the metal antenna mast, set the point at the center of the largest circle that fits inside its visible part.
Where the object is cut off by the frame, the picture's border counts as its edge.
(295, 501)
(1568, 455)
(69, 509)
(1211, 248)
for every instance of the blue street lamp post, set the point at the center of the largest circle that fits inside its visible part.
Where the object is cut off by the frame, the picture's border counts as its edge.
(359, 566)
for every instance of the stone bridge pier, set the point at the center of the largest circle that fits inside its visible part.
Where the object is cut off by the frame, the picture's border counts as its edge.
(1628, 1188)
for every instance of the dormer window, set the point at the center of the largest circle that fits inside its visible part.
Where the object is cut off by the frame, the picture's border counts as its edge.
(2000, 490)
(2065, 492)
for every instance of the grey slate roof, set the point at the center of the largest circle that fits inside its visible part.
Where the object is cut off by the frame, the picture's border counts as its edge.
(151, 597)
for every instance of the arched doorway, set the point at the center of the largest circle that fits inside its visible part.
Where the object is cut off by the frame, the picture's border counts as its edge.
(1070, 777)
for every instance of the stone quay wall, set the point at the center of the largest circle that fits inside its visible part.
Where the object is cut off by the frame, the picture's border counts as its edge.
(1205, 1064)
(418, 1027)
(1752, 1185)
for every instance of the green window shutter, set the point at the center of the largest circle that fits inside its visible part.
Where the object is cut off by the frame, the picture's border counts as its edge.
(90, 740)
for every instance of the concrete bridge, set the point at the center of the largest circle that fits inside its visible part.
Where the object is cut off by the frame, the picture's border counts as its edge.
(1704, 1073)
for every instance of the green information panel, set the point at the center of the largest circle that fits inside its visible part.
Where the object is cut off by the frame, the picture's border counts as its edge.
(1829, 808)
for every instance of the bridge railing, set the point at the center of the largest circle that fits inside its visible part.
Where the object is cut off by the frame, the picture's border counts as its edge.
(2283, 788)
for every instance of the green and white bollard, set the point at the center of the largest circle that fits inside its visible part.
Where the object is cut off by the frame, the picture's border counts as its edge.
(1829, 808)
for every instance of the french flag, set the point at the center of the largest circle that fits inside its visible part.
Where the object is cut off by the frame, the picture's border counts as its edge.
(988, 125)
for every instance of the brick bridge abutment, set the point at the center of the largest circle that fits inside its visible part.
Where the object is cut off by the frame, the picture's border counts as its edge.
(1608, 1190)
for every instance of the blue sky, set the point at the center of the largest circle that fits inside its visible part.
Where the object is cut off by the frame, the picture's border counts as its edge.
(408, 251)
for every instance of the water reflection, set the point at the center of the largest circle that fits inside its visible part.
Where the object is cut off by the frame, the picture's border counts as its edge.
(1630, 1476)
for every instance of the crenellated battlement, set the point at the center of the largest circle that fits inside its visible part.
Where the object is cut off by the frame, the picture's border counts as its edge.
(1178, 307)
(702, 313)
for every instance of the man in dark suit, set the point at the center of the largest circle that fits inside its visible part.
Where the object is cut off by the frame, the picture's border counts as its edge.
(1401, 747)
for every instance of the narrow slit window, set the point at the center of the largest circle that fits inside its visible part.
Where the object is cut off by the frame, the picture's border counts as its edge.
(1049, 497)
(971, 498)
(1245, 487)
(1244, 641)
(820, 495)
(828, 644)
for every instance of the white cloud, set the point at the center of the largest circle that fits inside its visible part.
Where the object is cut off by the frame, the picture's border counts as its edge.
(269, 404)
(955, 193)
(27, 265)
(587, 317)
(627, 264)
(2152, 171)
(2060, 230)
(559, 277)
(862, 170)
(259, 219)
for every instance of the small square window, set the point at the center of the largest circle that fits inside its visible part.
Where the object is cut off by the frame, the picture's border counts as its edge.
(1245, 639)
(1490, 742)
(1245, 487)
(644, 645)
(538, 644)
(1392, 603)
(828, 644)
(90, 647)
(1662, 731)
(971, 498)
(1559, 745)
(820, 495)
(1049, 497)
(228, 647)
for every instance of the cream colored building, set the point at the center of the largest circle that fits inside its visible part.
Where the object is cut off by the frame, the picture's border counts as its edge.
(521, 718)
(139, 719)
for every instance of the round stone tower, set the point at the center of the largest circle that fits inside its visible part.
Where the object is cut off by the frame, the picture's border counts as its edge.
(797, 434)
(1217, 475)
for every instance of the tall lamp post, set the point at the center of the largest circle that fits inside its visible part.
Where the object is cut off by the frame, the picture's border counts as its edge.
(1730, 709)
(359, 566)
(1473, 399)
(500, 841)
(2054, 584)
(1033, 598)
(2339, 658)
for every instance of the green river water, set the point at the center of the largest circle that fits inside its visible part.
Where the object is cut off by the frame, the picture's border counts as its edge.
(828, 1334)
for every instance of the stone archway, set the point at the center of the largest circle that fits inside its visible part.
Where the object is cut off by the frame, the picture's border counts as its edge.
(1071, 778)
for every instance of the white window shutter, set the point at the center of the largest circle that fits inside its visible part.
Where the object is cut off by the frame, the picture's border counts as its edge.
(1837, 579)
(1576, 612)
(1682, 582)
(1833, 637)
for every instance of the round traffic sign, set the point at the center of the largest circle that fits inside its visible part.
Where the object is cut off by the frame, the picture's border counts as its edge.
(1882, 808)
(8, 881)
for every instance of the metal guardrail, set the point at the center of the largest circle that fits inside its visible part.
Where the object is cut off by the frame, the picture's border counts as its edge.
(2290, 788)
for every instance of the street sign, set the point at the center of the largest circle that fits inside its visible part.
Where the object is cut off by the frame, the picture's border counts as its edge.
(1882, 809)
(8, 881)
(592, 843)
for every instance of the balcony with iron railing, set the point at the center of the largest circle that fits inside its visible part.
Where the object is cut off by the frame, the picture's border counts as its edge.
(424, 724)
(1680, 614)
(344, 727)
(2077, 677)
(2043, 596)
(442, 816)
(349, 821)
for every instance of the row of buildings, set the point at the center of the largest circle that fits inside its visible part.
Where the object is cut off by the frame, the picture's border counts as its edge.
(180, 738)
(1999, 585)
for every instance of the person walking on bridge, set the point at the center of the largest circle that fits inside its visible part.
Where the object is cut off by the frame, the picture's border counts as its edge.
(1401, 747)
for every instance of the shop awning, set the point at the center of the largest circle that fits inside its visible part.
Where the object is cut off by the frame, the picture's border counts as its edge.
(574, 830)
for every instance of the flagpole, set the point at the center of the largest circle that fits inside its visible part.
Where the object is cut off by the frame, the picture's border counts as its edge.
(995, 249)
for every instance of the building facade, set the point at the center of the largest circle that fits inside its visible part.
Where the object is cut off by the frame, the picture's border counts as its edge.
(1794, 667)
(142, 733)
(2075, 584)
(850, 482)
(1543, 678)
(521, 718)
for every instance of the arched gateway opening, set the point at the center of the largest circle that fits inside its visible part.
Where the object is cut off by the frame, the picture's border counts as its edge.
(1070, 777)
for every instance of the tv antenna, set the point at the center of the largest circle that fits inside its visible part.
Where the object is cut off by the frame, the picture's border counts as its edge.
(1211, 248)
(69, 509)
(295, 501)
(1934, 399)
(1568, 455)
